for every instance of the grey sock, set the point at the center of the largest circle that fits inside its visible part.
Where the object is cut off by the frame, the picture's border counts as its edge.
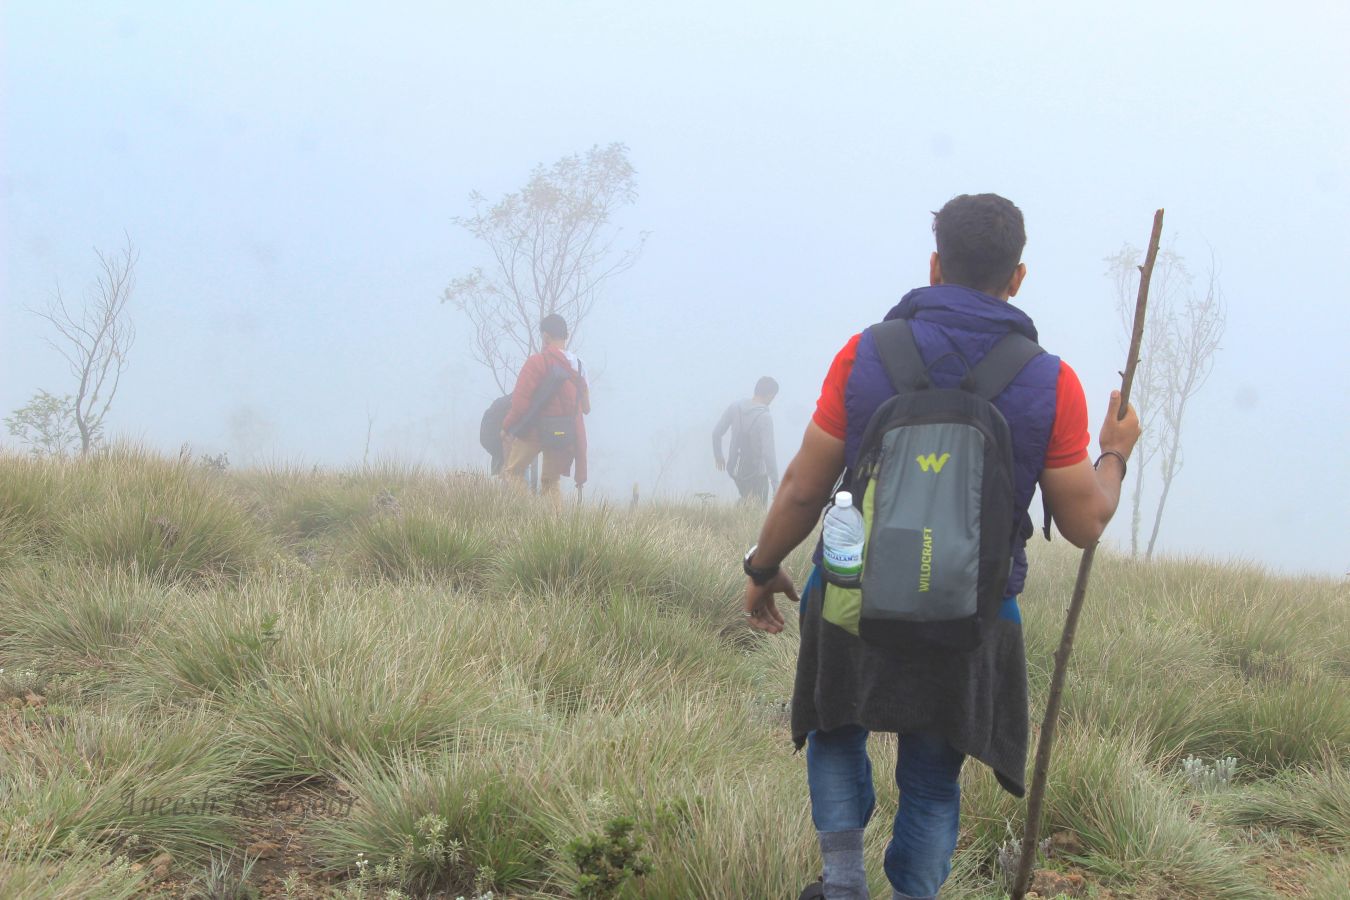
(845, 876)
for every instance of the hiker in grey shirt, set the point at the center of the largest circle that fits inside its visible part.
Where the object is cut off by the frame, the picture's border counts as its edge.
(750, 460)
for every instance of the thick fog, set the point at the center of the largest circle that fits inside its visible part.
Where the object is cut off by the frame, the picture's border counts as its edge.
(289, 174)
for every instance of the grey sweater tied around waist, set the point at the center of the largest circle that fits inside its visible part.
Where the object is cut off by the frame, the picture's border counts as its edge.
(976, 700)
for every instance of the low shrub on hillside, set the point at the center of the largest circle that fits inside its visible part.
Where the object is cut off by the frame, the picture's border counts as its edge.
(609, 862)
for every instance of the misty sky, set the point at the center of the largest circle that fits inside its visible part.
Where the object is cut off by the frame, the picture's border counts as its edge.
(289, 173)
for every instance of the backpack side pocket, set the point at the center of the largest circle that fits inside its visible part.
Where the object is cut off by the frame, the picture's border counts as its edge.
(842, 607)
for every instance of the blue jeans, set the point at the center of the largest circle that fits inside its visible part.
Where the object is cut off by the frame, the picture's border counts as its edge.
(928, 818)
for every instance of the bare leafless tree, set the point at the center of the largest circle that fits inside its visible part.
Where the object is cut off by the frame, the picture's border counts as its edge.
(95, 340)
(1149, 377)
(1181, 337)
(553, 246)
(370, 429)
(1197, 327)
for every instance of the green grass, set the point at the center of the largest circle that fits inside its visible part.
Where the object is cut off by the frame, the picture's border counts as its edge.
(76, 618)
(492, 680)
(117, 777)
(420, 543)
(127, 509)
(1313, 800)
(78, 875)
(1329, 878)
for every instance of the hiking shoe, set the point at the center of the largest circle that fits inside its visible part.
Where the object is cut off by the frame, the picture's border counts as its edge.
(813, 891)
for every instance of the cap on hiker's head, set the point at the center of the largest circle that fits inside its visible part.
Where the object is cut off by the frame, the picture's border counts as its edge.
(554, 326)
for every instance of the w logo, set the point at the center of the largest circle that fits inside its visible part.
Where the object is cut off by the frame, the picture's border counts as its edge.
(932, 462)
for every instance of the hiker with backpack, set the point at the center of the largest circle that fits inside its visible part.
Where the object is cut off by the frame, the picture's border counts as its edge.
(546, 416)
(939, 421)
(750, 460)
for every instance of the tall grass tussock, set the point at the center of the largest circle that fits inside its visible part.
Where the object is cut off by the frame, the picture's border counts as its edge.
(492, 684)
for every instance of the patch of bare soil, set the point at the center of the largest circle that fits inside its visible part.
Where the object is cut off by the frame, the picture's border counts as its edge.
(1285, 868)
(1048, 883)
(1068, 881)
(274, 837)
(16, 717)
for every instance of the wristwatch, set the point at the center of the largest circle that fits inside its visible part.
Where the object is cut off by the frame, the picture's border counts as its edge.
(762, 576)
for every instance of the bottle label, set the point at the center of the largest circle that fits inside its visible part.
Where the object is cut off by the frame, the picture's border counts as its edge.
(845, 560)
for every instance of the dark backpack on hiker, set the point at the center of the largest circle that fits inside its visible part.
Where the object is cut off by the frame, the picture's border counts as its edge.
(490, 429)
(749, 444)
(934, 481)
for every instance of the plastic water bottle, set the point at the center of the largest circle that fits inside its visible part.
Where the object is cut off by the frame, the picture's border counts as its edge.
(844, 533)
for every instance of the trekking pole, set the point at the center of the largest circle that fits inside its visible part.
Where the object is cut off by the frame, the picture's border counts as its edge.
(1047, 739)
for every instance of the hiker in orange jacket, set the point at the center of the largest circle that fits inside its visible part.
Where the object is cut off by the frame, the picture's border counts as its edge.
(547, 415)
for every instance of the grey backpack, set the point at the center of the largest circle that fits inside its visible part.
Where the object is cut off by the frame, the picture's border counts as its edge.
(935, 476)
(749, 446)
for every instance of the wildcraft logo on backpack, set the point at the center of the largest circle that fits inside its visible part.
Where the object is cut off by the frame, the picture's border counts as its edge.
(934, 471)
(932, 462)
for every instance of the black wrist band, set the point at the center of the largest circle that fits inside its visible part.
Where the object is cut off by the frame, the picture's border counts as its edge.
(1118, 455)
(762, 575)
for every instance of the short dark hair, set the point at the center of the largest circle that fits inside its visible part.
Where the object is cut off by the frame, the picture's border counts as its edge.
(554, 326)
(766, 387)
(979, 240)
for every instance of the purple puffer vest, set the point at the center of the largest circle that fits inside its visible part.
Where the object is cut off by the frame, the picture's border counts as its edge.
(954, 327)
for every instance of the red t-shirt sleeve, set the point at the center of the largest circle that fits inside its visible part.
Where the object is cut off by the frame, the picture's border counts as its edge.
(1069, 435)
(830, 415)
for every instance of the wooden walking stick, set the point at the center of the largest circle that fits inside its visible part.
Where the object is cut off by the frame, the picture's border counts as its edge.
(1038, 777)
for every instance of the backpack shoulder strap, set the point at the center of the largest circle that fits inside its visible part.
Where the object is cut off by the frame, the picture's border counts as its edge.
(543, 396)
(992, 375)
(900, 355)
(1001, 365)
